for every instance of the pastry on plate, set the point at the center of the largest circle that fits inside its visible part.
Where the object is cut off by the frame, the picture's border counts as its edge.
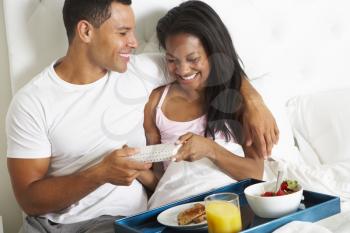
(195, 214)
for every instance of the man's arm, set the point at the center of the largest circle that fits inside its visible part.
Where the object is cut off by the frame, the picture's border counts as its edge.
(39, 194)
(262, 133)
(248, 91)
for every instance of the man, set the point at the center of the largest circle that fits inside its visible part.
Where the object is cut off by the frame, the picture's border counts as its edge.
(67, 127)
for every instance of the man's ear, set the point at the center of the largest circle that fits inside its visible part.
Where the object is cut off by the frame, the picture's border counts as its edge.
(84, 31)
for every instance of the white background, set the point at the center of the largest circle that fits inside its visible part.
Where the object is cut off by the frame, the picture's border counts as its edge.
(9, 210)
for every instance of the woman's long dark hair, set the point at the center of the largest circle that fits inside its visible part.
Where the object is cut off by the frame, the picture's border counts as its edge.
(223, 101)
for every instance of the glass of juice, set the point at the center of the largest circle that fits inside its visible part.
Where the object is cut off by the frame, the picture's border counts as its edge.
(223, 213)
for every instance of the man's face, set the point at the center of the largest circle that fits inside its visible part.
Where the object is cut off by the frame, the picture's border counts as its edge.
(114, 40)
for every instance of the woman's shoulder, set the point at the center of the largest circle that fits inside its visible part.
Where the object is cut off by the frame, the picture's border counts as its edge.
(155, 97)
(158, 91)
(157, 94)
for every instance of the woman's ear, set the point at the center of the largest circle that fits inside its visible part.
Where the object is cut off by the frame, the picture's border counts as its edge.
(84, 31)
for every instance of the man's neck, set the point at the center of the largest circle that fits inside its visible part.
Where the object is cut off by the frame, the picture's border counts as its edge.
(75, 68)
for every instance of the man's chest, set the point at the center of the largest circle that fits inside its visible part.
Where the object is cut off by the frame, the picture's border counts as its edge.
(97, 123)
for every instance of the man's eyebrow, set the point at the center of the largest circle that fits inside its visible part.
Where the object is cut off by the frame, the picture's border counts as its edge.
(122, 28)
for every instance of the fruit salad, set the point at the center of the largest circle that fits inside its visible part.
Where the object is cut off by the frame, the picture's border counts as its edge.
(287, 187)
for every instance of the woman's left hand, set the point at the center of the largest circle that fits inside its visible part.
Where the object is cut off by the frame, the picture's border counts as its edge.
(194, 147)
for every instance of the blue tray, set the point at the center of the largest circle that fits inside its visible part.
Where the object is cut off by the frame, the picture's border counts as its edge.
(317, 206)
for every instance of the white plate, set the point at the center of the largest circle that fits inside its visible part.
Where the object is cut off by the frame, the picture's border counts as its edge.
(169, 217)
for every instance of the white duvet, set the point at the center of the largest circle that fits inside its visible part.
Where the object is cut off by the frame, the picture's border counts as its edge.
(185, 179)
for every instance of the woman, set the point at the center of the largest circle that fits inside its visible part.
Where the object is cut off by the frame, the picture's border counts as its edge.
(203, 105)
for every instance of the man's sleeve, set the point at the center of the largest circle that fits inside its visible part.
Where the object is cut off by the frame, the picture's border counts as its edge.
(26, 129)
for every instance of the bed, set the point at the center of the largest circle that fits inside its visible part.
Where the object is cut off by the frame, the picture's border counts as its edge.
(296, 53)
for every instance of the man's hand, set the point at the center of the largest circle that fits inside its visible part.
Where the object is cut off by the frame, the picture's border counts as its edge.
(260, 127)
(118, 169)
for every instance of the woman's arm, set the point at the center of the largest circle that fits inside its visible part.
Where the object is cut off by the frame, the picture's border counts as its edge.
(196, 147)
(238, 167)
(151, 130)
(263, 134)
(150, 178)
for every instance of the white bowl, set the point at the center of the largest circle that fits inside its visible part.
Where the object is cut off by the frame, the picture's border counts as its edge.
(271, 207)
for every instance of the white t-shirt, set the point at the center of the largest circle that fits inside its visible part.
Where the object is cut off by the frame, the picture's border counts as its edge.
(77, 125)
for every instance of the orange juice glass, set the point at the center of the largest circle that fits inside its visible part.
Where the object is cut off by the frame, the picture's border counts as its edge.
(223, 213)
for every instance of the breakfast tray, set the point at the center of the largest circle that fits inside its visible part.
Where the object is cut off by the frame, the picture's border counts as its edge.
(317, 206)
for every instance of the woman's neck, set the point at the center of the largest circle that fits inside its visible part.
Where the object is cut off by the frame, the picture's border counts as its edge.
(190, 93)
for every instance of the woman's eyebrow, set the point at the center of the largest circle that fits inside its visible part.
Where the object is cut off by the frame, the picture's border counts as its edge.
(190, 54)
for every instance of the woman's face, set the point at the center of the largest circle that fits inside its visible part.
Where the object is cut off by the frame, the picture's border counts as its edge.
(187, 60)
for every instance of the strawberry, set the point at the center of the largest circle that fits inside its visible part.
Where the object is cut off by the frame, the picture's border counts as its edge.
(280, 193)
(284, 186)
(268, 194)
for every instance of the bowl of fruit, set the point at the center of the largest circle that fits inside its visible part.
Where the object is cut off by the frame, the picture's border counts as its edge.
(267, 201)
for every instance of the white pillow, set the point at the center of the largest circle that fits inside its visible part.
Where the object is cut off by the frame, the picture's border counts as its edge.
(322, 134)
(321, 125)
(275, 100)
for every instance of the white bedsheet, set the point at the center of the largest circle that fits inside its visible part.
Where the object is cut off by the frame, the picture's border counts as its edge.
(302, 227)
(339, 223)
(331, 179)
(184, 179)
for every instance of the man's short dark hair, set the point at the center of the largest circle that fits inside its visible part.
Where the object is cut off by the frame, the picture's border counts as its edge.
(94, 11)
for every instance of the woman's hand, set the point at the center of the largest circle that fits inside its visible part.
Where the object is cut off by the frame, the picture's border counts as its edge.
(260, 127)
(195, 147)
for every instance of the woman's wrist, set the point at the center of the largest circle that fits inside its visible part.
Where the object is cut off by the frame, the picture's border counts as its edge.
(214, 153)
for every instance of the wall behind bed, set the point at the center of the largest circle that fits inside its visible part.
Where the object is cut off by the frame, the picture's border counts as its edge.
(9, 210)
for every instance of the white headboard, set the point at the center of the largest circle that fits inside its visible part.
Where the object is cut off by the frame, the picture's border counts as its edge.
(300, 45)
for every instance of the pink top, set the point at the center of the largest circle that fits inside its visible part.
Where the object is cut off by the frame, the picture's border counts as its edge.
(170, 130)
